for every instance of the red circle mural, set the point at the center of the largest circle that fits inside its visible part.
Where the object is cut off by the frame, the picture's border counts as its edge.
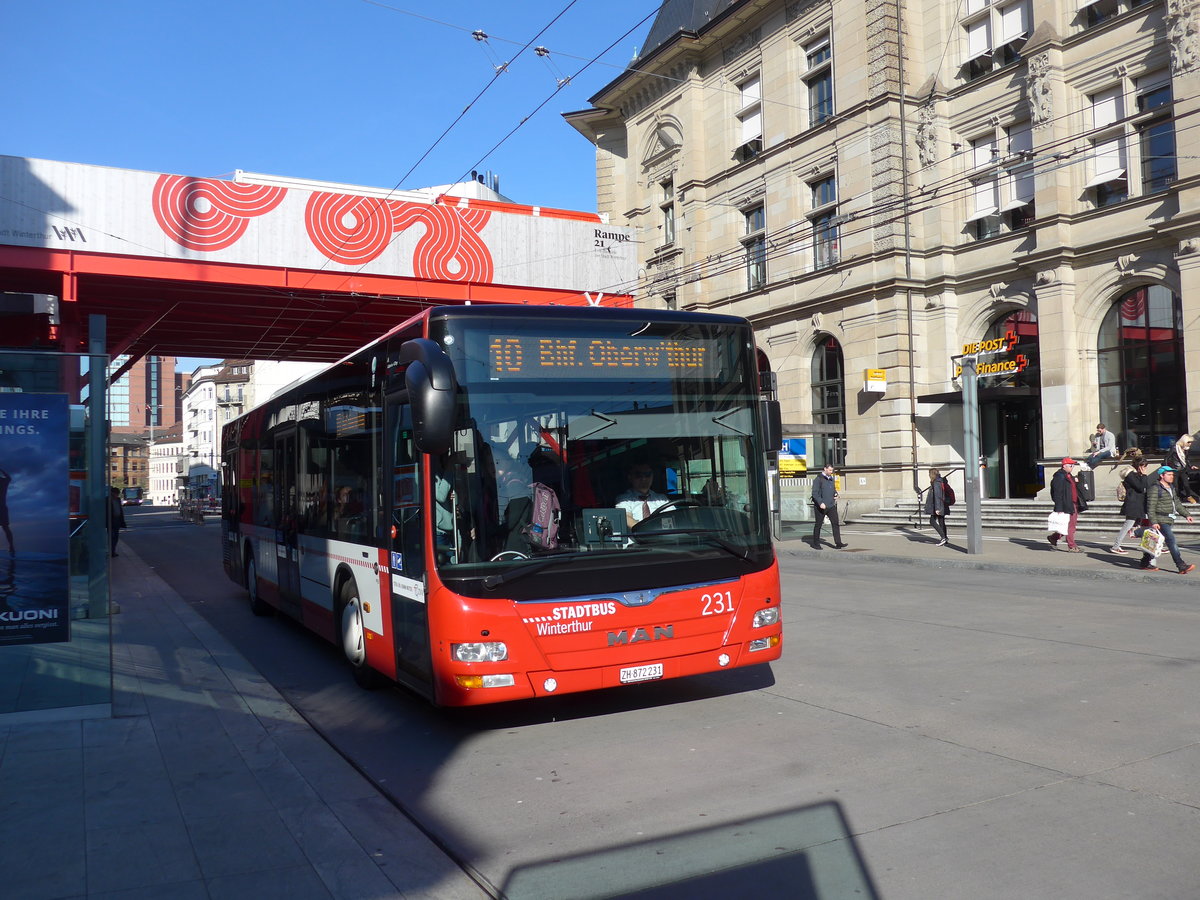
(208, 214)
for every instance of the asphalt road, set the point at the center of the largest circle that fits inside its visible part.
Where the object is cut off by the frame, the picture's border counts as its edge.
(976, 734)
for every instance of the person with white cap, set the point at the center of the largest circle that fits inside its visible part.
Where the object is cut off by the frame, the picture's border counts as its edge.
(1064, 491)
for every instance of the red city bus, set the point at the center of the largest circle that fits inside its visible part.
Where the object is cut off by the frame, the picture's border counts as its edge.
(501, 502)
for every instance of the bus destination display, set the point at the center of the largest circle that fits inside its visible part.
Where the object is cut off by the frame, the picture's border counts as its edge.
(530, 356)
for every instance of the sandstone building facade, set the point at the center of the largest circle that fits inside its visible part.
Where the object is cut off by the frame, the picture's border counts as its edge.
(878, 185)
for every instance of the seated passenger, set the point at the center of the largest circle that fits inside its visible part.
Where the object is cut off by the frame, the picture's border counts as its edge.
(640, 501)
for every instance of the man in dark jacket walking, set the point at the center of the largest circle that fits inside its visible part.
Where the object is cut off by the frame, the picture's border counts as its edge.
(824, 500)
(116, 520)
(1064, 491)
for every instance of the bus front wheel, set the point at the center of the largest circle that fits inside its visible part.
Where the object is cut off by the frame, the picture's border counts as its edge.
(258, 606)
(354, 638)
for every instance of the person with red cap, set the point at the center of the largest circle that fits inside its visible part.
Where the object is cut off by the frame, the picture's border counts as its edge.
(1064, 491)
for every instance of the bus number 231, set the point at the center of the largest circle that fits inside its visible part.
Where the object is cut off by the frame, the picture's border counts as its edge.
(718, 603)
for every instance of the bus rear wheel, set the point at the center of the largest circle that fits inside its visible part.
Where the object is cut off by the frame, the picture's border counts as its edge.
(258, 605)
(354, 637)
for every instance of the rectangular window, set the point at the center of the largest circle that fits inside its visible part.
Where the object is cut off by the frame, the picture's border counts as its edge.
(984, 219)
(1107, 177)
(1157, 143)
(1017, 186)
(819, 81)
(749, 119)
(824, 222)
(755, 244)
(1106, 107)
(1156, 131)
(667, 206)
(1014, 29)
(1097, 12)
(979, 48)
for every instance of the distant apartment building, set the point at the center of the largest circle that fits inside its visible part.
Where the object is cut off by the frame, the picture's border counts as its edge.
(215, 396)
(166, 454)
(146, 397)
(128, 462)
(880, 186)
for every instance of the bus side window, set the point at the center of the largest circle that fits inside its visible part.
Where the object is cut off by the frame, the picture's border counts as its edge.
(266, 485)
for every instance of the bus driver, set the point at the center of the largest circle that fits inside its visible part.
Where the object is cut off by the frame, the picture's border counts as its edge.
(641, 500)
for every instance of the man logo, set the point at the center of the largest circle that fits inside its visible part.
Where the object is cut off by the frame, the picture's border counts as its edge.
(641, 635)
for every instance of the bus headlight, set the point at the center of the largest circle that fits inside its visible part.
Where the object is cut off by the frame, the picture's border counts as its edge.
(483, 651)
(484, 681)
(765, 617)
(764, 643)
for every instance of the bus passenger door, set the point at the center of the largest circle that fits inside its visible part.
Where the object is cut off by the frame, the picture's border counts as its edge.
(287, 525)
(404, 506)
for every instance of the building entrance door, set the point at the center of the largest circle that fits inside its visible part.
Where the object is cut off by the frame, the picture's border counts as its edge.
(1011, 442)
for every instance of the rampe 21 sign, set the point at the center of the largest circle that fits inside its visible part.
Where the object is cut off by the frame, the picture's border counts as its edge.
(1011, 365)
(34, 537)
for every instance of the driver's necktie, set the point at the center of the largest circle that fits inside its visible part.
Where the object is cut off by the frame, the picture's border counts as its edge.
(645, 509)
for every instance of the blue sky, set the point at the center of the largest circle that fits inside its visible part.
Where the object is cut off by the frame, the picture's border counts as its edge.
(348, 91)
(336, 90)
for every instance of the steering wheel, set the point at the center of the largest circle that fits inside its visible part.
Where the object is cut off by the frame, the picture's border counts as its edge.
(677, 503)
(509, 554)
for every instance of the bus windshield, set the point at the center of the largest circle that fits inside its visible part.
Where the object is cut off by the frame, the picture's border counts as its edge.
(632, 446)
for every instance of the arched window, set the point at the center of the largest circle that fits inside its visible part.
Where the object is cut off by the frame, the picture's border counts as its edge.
(1142, 395)
(829, 404)
(1022, 324)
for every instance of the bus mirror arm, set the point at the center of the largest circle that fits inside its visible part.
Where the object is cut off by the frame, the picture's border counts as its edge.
(431, 389)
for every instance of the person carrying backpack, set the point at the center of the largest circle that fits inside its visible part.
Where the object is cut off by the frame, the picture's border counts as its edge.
(938, 500)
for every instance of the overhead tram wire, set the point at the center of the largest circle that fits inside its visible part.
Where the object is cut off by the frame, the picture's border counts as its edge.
(562, 83)
(798, 234)
(938, 188)
(499, 70)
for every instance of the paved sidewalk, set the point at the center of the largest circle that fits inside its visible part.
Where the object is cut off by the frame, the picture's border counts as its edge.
(204, 783)
(1018, 551)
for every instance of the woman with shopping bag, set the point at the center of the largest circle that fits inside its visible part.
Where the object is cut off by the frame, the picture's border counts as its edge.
(1068, 504)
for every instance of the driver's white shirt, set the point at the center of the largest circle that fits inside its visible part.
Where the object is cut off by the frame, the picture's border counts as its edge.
(632, 502)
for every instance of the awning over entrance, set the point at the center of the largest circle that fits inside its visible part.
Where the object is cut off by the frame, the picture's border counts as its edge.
(985, 393)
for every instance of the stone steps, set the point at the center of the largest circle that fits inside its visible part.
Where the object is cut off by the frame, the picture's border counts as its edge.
(1025, 515)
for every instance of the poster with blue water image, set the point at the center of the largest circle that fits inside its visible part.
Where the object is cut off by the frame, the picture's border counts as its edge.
(34, 537)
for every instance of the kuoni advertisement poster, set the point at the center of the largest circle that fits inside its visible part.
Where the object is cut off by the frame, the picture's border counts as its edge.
(34, 540)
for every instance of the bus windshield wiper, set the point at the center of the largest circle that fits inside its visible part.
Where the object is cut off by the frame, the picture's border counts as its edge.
(711, 533)
(494, 581)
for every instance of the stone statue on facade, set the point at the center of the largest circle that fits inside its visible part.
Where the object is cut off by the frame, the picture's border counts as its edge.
(1183, 33)
(926, 135)
(1041, 107)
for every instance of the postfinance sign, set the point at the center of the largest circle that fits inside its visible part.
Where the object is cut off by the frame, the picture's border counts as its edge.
(995, 347)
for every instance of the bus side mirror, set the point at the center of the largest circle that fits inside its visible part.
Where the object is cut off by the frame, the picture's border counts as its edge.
(431, 394)
(772, 424)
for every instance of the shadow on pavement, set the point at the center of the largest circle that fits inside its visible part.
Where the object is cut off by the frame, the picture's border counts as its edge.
(802, 854)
